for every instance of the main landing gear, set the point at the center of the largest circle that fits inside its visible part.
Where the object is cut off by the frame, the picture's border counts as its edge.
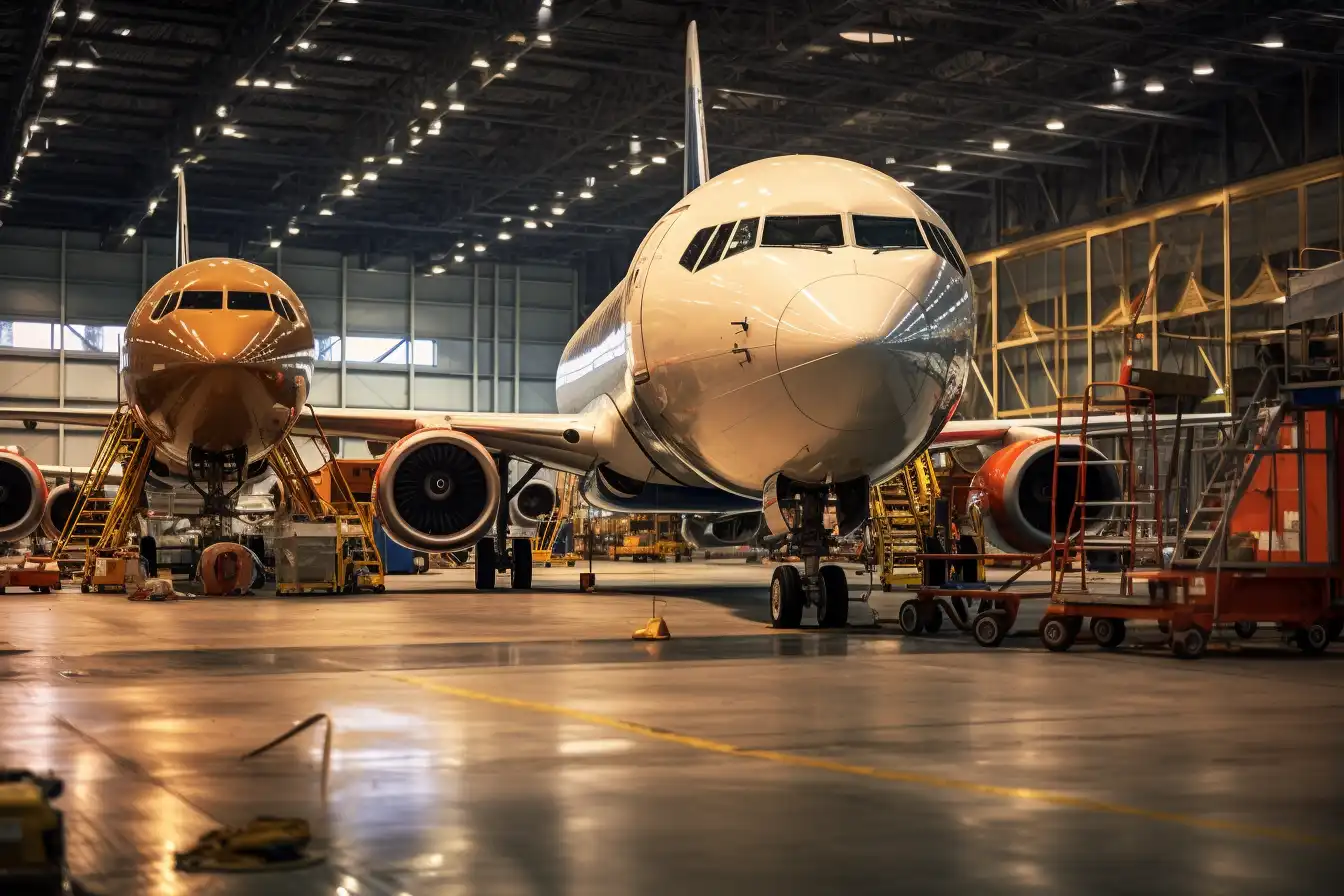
(823, 587)
(501, 553)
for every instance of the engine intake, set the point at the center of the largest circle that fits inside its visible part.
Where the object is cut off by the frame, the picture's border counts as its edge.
(60, 504)
(1014, 488)
(534, 501)
(436, 490)
(23, 495)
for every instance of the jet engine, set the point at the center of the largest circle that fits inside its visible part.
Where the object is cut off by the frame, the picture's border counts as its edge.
(60, 504)
(728, 531)
(534, 501)
(23, 495)
(436, 490)
(1013, 491)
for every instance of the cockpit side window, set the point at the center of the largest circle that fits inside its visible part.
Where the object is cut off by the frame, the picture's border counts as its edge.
(285, 310)
(247, 300)
(200, 300)
(161, 306)
(877, 232)
(716, 245)
(744, 237)
(697, 245)
(803, 230)
(943, 245)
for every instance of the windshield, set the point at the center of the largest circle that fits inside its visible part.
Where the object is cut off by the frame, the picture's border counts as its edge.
(875, 232)
(803, 230)
(200, 300)
(249, 301)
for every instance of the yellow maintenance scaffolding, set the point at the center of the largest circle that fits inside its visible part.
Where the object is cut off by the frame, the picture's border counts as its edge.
(902, 519)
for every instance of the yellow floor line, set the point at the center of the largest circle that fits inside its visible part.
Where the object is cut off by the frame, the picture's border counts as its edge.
(1031, 794)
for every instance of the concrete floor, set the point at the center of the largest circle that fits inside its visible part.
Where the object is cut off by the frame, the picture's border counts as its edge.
(521, 743)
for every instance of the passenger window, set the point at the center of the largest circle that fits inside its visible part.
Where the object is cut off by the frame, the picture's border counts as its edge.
(716, 245)
(200, 300)
(744, 237)
(161, 306)
(803, 230)
(943, 245)
(697, 245)
(240, 300)
(876, 232)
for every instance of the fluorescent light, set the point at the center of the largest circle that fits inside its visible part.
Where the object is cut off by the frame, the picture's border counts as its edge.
(457, 107)
(293, 230)
(543, 38)
(460, 244)
(1000, 144)
(222, 111)
(130, 231)
(60, 13)
(559, 194)
(429, 104)
(153, 204)
(532, 207)
(506, 219)
(416, 141)
(907, 183)
(123, 32)
(64, 63)
(479, 247)
(510, 65)
(348, 2)
(942, 166)
(370, 175)
(394, 160)
(868, 37)
(345, 57)
(891, 160)
(241, 82)
(177, 169)
(548, 224)
(304, 44)
(585, 194)
(1054, 124)
(347, 176)
(369, 160)
(348, 191)
(480, 62)
(326, 213)
(437, 269)
(261, 82)
(1152, 85)
(86, 15)
(284, 85)
(228, 130)
(659, 160)
(275, 244)
(49, 82)
(1272, 41)
(505, 235)
(530, 225)
(1201, 68)
(459, 258)
(557, 209)
(84, 64)
(636, 170)
(62, 122)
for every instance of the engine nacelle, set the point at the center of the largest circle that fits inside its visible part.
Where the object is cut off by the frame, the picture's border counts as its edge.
(436, 490)
(60, 504)
(23, 495)
(534, 501)
(1013, 491)
(731, 531)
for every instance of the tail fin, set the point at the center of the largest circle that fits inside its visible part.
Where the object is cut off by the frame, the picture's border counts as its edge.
(696, 152)
(181, 242)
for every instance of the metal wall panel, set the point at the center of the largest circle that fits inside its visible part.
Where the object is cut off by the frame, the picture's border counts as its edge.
(90, 381)
(378, 317)
(442, 393)
(30, 376)
(375, 389)
(24, 299)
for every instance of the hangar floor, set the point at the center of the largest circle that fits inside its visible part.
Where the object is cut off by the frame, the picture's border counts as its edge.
(521, 743)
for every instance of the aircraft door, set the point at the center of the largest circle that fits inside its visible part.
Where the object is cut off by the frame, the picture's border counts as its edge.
(639, 278)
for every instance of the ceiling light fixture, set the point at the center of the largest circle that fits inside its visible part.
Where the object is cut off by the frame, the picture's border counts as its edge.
(86, 15)
(275, 244)
(480, 62)
(868, 37)
(345, 57)
(49, 82)
(241, 82)
(222, 111)
(460, 244)
(1054, 124)
(549, 224)
(394, 160)
(544, 38)
(1152, 85)
(304, 44)
(348, 191)
(349, 2)
(505, 235)
(123, 32)
(261, 82)
(347, 176)
(557, 209)
(293, 230)
(326, 213)
(84, 64)
(369, 160)
(1273, 41)
(459, 258)
(510, 65)
(636, 170)
(429, 104)
(530, 225)
(479, 247)
(457, 107)
(62, 122)
(60, 14)
(1201, 68)
(370, 175)
(153, 204)
(130, 231)
(416, 141)
(942, 166)
(228, 130)
(506, 219)
(437, 269)
(1000, 144)
(585, 194)
(284, 85)
(907, 183)
(659, 160)
(64, 63)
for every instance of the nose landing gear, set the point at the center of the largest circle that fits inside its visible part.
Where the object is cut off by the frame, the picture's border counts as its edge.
(798, 511)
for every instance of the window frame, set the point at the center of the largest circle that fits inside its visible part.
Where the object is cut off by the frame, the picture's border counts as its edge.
(729, 251)
(228, 300)
(708, 234)
(840, 221)
(725, 229)
(177, 305)
(161, 309)
(854, 223)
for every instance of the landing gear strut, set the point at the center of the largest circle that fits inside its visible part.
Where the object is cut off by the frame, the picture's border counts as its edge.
(502, 553)
(823, 587)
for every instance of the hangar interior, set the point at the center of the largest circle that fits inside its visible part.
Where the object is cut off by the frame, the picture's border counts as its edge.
(490, 639)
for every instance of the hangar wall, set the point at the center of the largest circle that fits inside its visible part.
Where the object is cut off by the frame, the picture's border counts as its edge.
(485, 338)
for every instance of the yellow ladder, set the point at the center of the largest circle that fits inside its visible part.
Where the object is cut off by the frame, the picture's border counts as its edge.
(98, 524)
(543, 545)
(902, 517)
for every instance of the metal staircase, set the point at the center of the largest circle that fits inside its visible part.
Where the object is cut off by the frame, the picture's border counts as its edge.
(1203, 540)
(98, 524)
(543, 545)
(902, 518)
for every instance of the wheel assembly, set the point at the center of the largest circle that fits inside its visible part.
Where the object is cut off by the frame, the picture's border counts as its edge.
(934, 622)
(786, 597)
(520, 563)
(911, 617)
(1245, 630)
(485, 563)
(990, 628)
(1059, 632)
(832, 598)
(1110, 633)
(1189, 644)
(1313, 639)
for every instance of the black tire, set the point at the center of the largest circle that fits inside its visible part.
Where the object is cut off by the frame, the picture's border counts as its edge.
(1245, 630)
(786, 597)
(84, 588)
(1313, 639)
(1189, 644)
(1059, 632)
(520, 563)
(379, 589)
(990, 628)
(833, 598)
(1110, 633)
(485, 564)
(934, 623)
(911, 617)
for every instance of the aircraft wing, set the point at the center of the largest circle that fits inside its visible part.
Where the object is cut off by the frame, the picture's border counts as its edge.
(99, 417)
(959, 433)
(561, 441)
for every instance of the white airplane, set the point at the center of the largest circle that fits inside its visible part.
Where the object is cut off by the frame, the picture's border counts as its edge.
(791, 331)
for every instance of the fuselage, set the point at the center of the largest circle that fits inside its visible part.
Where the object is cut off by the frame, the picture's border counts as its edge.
(801, 315)
(218, 360)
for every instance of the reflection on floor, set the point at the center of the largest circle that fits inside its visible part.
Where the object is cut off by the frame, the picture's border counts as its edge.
(521, 743)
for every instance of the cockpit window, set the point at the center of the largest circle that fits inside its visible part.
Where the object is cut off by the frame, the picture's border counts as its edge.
(943, 245)
(697, 245)
(716, 245)
(744, 237)
(876, 232)
(803, 230)
(240, 300)
(161, 306)
(284, 309)
(200, 300)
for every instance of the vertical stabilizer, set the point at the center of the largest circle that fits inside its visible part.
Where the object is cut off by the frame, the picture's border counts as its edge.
(696, 153)
(181, 242)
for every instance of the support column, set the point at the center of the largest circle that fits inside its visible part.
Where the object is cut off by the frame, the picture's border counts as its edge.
(1229, 401)
(345, 308)
(410, 345)
(494, 330)
(1088, 267)
(517, 337)
(475, 335)
(60, 359)
(994, 335)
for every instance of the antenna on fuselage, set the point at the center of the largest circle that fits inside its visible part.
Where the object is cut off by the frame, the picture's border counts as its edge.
(695, 170)
(181, 240)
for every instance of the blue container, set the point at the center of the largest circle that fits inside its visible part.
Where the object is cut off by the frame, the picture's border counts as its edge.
(398, 560)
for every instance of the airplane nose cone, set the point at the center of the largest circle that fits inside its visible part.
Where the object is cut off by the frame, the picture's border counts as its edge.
(861, 352)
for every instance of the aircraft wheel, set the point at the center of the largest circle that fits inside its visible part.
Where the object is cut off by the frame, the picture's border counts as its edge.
(520, 563)
(990, 628)
(1313, 639)
(833, 598)
(485, 564)
(1189, 644)
(786, 597)
(1059, 632)
(1245, 630)
(1110, 633)
(911, 617)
